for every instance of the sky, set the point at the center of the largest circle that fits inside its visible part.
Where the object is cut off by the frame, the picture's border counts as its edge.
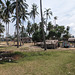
(63, 9)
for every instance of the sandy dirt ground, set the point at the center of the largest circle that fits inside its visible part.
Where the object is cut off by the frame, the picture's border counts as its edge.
(28, 47)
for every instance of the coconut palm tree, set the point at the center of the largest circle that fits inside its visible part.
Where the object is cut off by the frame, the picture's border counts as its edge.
(42, 25)
(55, 18)
(20, 6)
(6, 14)
(17, 22)
(48, 14)
(34, 12)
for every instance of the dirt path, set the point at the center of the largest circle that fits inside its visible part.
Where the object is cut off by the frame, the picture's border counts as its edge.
(29, 47)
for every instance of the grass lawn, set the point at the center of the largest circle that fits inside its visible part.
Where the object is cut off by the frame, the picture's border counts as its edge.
(41, 63)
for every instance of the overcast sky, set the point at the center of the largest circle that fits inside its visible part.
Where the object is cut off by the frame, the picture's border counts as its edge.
(63, 9)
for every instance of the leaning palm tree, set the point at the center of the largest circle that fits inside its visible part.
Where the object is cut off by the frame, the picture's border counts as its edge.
(34, 12)
(48, 14)
(42, 25)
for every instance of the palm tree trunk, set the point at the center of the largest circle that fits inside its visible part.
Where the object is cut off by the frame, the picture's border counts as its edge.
(6, 35)
(8, 28)
(46, 23)
(55, 22)
(42, 26)
(34, 20)
(17, 24)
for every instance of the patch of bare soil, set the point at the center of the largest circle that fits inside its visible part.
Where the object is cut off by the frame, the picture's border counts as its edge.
(66, 48)
(8, 56)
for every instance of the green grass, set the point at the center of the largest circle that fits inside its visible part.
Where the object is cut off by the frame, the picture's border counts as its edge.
(41, 63)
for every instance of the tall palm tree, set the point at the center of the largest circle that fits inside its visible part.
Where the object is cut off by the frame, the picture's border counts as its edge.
(48, 14)
(17, 21)
(55, 18)
(34, 12)
(42, 25)
(6, 14)
(20, 6)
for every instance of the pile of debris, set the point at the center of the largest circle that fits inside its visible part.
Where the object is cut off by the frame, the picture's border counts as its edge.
(6, 56)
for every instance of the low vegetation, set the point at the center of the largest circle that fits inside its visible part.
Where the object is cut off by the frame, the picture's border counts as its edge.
(40, 63)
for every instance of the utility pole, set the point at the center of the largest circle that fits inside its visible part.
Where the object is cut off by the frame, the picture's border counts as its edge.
(42, 25)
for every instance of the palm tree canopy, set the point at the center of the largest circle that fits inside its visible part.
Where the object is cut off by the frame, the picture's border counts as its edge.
(22, 10)
(34, 12)
(7, 11)
(55, 17)
(48, 13)
(21, 5)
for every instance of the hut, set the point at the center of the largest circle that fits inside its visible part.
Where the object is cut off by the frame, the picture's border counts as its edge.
(51, 44)
(72, 42)
(26, 39)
